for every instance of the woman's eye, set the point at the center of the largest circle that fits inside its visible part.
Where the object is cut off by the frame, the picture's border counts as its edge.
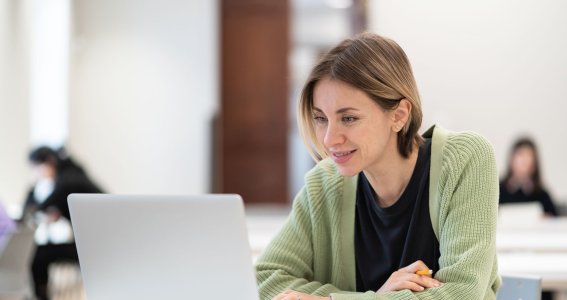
(320, 119)
(348, 120)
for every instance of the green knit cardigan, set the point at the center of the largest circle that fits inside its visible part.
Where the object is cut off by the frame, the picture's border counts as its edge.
(314, 251)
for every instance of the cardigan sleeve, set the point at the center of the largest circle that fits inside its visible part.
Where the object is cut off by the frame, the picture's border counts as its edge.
(467, 220)
(467, 223)
(287, 262)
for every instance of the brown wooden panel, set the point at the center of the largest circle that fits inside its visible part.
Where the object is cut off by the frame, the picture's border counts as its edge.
(254, 97)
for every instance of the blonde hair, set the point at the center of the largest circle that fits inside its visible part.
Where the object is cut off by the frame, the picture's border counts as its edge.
(379, 67)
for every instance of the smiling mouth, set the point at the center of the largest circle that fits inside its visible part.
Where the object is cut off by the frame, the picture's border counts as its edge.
(341, 154)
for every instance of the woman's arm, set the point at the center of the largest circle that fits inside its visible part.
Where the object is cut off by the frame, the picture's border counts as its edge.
(548, 206)
(287, 262)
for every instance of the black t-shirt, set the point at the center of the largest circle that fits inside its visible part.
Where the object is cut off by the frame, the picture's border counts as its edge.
(387, 239)
(519, 196)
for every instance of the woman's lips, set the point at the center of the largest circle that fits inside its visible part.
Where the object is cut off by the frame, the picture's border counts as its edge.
(342, 157)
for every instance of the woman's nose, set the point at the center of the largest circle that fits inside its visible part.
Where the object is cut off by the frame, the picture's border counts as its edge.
(333, 136)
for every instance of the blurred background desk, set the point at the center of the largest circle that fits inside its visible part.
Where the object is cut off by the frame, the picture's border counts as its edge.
(528, 244)
(535, 235)
(552, 267)
(539, 224)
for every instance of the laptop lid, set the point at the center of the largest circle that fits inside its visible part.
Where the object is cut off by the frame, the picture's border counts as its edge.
(162, 247)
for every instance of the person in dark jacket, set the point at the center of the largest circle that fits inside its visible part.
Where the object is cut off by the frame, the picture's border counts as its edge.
(522, 182)
(46, 205)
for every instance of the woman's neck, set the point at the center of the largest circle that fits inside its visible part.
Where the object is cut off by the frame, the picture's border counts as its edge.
(390, 178)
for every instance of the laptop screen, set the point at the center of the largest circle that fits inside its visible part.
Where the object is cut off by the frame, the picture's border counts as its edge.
(162, 247)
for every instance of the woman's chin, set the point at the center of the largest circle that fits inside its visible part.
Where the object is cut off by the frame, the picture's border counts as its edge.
(347, 172)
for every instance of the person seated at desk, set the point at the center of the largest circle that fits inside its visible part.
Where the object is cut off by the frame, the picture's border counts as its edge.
(385, 213)
(46, 205)
(522, 182)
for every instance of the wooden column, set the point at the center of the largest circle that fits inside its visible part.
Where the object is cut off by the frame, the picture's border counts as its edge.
(251, 148)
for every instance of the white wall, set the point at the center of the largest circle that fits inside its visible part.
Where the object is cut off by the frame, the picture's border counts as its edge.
(14, 108)
(143, 92)
(495, 67)
(49, 72)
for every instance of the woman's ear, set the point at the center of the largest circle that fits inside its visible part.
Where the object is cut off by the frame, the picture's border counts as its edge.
(401, 114)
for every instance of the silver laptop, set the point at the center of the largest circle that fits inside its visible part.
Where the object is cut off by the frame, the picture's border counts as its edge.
(163, 247)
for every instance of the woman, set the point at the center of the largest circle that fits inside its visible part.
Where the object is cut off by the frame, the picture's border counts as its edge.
(383, 205)
(57, 177)
(523, 181)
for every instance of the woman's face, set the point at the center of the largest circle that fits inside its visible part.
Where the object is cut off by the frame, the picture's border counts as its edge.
(44, 171)
(523, 162)
(355, 132)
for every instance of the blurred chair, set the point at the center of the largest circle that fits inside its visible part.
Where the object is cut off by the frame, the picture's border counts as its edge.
(519, 288)
(15, 262)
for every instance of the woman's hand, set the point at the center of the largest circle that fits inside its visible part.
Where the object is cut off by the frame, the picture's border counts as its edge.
(294, 295)
(406, 279)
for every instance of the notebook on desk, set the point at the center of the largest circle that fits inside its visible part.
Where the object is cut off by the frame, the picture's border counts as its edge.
(163, 247)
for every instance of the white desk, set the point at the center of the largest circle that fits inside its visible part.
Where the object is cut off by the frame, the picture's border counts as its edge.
(541, 235)
(558, 224)
(531, 242)
(535, 247)
(552, 267)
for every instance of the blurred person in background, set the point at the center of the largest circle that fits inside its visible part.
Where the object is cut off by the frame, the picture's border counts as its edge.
(56, 176)
(522, 182)
(7, 226)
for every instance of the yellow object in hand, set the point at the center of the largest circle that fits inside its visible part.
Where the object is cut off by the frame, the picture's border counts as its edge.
(424, 272)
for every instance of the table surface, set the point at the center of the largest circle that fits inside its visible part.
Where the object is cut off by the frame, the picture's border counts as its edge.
(558, 224)
(537, 247)
(534, 246)
(552, 267)
(536, 235)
